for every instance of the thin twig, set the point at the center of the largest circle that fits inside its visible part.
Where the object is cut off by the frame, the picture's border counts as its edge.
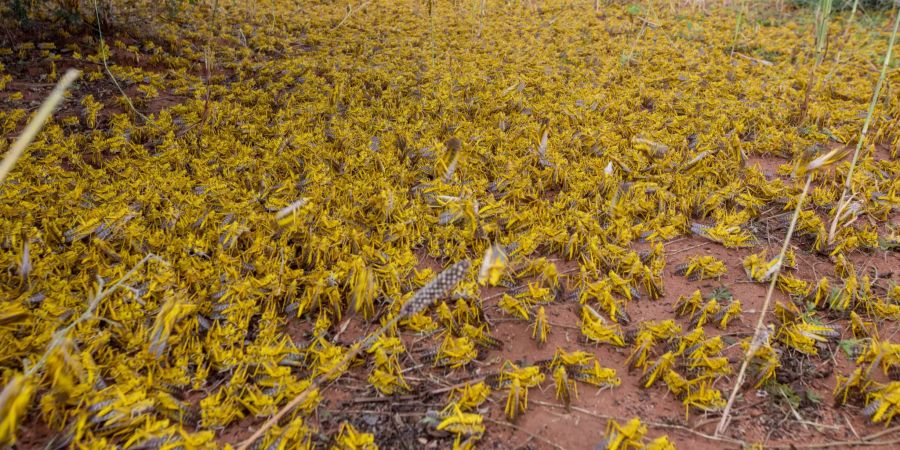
(401, 398)
(356, 349)
(35, 124)
(350, 11)
(106, 66)
(823, 11)
(530, 434)
(865, 129)
(737, 27)
(455, 386)
(634, 44)
(877, 434)
(375, 411)
(843, 444)
(852, 429)
(754, 343)
(845, 37)
(653, 424)
(102, 293)
(756, 60)
(674, 252)
(438, 287)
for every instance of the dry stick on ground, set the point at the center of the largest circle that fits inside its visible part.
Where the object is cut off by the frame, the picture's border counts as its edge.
(356, 349)
(458, 385)
(653, 424)
(865, 130)
(204, 118)
(31, 130)
(673, 252)
(847, 444)
(637, 39)
(480, 20)
(758, 340)
(351, 10)
(755, 342)
(850, 425)
(756, 60)
(865, 441)
(869, 437)
(530, 434)
(436, 288)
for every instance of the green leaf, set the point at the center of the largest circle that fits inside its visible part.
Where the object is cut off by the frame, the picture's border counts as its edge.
(785, 392)
(634, 9)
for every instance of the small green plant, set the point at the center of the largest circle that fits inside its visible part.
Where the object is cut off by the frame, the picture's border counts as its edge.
(721, 293)
(783, 391)
(813, 397)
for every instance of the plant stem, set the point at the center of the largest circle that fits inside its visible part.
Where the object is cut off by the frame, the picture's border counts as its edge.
(634, 44)
(865, 129)
(823, 11)
(723, 423)
(737, 28)
(350, 11)
(442, 284)
(35, 124)
(841, 43)
(846, 32)
(317, 382)
(106, 66)
(102, 293)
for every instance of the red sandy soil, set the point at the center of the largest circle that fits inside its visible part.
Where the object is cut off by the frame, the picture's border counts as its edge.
(757, 418)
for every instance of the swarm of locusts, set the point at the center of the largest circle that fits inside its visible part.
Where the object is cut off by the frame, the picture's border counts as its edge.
(187, 256)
